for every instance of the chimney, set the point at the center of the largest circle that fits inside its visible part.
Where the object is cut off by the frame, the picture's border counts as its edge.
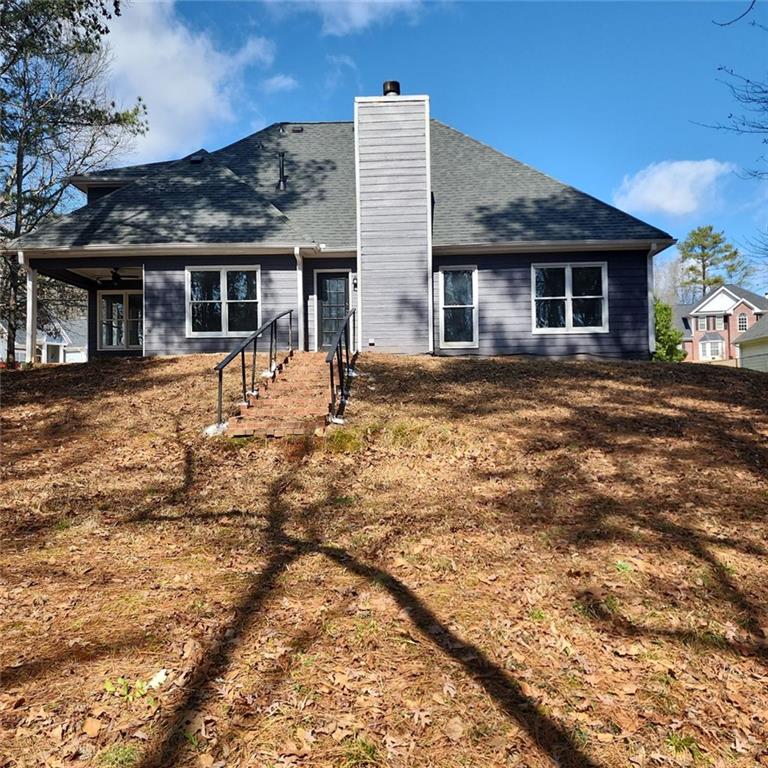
(394, 207)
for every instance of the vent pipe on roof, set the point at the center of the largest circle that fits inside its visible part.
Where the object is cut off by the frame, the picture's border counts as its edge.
(391, 88)
(281, 185)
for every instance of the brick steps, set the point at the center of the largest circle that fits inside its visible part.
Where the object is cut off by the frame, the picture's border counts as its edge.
(294, 402)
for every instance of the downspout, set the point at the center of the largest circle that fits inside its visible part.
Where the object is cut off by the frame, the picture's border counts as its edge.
(300, 293)
(652, 251)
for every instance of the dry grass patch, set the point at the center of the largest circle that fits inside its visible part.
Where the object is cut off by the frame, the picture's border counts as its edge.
(496, 562)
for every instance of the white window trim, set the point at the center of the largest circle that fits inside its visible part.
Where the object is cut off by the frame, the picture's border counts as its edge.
(316, 303)
(569, 329)
(474, 344)
(222, 270)
(746, 322)
(719, 322)
(708, 345)
(699, 321)
(100, 319)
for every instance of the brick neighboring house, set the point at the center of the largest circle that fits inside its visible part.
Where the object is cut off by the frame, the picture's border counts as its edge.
(713, 325)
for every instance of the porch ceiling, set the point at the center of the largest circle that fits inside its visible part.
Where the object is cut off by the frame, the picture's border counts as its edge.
(105, 273)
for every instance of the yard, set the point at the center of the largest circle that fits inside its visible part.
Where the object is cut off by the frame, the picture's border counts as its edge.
(494, 563)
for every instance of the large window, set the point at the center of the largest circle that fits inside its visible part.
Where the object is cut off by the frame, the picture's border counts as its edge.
(223, 301)
(569, 298)
(121, 320)
(458, 307)
(743, 322)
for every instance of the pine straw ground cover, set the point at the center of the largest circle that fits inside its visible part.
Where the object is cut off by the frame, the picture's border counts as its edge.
(494, 563)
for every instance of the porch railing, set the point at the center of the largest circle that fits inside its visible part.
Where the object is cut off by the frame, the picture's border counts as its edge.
(270, 326)
(340, 359)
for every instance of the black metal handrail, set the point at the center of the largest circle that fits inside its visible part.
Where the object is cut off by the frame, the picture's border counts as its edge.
(341, 357)
(271, 326)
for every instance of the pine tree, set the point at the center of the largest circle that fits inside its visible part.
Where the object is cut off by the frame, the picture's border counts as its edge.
(709, 259)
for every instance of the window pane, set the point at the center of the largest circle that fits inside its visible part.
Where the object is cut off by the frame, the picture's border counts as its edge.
(205, 286)
(135, 306)
(587, 281)
(458, 324)
(457, 287)
(112, 307)
(550, 313)
(135, 333)
(112, 333)
(550, 281)
(587, 313)
(242, 285)
(206, 317)
(243, 316)
(54, 353)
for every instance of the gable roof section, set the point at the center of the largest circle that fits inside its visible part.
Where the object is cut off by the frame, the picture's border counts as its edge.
(757, 332)
(680, 319)
(188, 202)
(737, 293)
(481, 197)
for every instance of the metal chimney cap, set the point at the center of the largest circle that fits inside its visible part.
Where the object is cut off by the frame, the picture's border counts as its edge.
(391, 88)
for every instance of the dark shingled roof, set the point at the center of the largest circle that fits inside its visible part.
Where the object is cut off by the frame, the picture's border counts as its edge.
(481, 197)
(755, 333)
(681, 321)
(189, 202)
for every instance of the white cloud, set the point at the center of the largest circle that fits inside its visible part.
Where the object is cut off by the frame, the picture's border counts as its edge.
(673, 187)
(278, 83)
(341, 68)
(343, 17)
(187, 81)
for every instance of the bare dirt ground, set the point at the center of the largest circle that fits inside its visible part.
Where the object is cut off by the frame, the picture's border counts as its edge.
(495, 563)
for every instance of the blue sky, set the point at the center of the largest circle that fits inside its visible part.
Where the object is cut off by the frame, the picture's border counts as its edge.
(604, 96)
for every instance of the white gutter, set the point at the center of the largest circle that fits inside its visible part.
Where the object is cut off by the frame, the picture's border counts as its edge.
(652, 251)
(160, 249)
(551, 246)
(300, 293)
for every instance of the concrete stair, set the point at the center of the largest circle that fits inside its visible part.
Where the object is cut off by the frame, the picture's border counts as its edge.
(295, 402)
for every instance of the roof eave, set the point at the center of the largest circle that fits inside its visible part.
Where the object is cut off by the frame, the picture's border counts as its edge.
(161, 249)
(554, 246)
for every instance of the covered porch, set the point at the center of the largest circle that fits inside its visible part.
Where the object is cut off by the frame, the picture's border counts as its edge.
(115, 290)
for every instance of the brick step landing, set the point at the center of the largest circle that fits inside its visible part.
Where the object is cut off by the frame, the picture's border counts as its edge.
(295, 402)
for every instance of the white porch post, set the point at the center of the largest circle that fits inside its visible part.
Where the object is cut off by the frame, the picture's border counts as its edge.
(31, 314)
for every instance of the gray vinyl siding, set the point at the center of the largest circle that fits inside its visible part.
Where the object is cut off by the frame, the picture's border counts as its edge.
(393, 194)
(754, 355)
(504, 295)
(164, 300)
(310, 300)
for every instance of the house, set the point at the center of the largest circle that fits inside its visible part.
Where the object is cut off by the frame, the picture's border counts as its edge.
(753, 346)
(712, 327)
(440, 243)
(63, 341)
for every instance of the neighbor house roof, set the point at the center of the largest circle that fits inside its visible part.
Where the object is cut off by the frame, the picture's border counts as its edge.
(741, 294)
(481, 197)
(680, 319)
(757, 332)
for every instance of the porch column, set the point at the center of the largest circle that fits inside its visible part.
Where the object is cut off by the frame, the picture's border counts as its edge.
(31, 314)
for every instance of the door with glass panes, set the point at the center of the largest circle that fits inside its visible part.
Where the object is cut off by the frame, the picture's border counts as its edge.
(332, 305)
(121, 320)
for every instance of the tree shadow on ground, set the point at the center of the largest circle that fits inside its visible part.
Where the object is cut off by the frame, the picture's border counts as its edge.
(284, 550)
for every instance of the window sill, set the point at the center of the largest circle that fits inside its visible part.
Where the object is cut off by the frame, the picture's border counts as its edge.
(567, 331)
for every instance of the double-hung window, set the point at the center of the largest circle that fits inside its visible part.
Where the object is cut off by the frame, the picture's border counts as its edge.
(701, 323)
(121, 320)
(569, 298)
(223, 301)
(719, 323)
(458, 307)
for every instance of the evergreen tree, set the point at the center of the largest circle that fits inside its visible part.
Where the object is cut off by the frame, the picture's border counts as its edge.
(709, 260)
(668, 338)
